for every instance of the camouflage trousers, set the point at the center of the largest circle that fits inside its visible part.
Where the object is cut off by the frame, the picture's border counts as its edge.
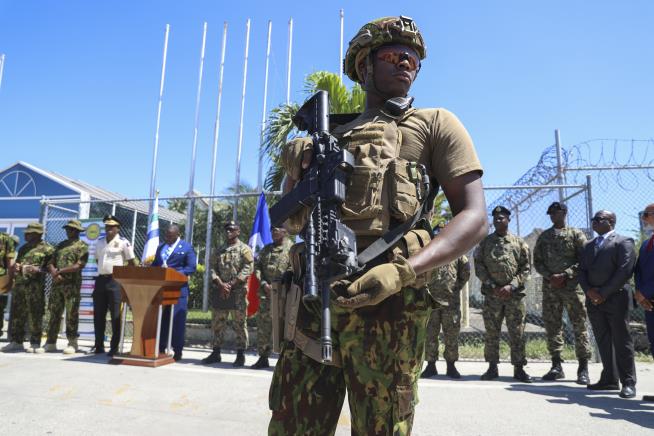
(220, 322)
(27, 308)
(494, 312)
(63, 296)
(572, 300)
(264, 327)
(449, 318)
(381, 348)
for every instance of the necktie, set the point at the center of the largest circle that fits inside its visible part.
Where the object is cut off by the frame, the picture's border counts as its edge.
(650, 244)
(166, 254)
(599, 240)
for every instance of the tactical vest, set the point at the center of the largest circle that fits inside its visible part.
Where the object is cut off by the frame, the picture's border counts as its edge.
(382, 186)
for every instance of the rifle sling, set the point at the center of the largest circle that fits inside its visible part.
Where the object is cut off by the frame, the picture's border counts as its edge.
(388, 239)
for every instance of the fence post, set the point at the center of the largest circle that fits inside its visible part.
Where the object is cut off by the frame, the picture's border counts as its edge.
(559, 165)
(517, 220)
(589, 197)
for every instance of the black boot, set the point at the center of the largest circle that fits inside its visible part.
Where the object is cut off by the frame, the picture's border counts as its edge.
(452, 371)
(582, 372)
(262, 363)
(240, 359)
(556, 372)
(214, 357)
(491, 373)
(520, 374)
(430, 370)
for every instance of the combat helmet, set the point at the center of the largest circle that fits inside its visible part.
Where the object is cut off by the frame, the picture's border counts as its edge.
(382, 31)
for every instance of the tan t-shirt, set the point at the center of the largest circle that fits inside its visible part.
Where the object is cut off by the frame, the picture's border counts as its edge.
(436, 138)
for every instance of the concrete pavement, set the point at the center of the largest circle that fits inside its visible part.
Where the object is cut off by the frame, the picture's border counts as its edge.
(81, 394)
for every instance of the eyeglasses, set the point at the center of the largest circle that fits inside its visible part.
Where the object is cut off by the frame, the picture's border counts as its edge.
(396, 54)
(645, 214)
(598, 219)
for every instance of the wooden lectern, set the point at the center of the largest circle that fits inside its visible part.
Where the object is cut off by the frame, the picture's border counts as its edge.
(147, 290)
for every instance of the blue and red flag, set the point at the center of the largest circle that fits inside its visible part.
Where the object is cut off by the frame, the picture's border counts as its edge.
(259, 237)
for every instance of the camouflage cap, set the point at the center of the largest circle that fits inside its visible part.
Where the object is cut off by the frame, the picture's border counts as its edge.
(556, 206)
(110, 220)
(34, 228)
(382, 31)
(74, 224)
(501, 210)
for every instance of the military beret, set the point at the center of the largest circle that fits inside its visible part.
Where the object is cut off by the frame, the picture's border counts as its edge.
(231, 225)
(74, 224)
(34, 228)
(110, 220)
(501, 209)
(556, 206)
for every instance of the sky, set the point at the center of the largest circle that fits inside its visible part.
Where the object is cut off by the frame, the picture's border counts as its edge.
(81, 79)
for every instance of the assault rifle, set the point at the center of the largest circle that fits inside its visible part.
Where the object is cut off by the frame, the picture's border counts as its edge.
(331, 251)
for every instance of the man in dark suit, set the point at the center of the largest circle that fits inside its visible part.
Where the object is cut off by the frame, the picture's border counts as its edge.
(604, 269)
(178, 254)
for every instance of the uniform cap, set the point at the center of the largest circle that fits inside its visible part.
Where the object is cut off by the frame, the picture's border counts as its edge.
(501, 209)
(110, 220)
(556, 206)
(34, 228)
(74, 224)
(231, 225)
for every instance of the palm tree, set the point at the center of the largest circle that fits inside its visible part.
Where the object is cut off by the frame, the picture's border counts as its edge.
(280, 128)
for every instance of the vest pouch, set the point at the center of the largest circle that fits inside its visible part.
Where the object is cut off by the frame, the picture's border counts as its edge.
(404, 180)
(365, 200)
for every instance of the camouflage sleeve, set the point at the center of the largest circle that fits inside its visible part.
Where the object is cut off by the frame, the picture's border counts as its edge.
(480, 268)
(524, 267)
(246, 266)
(49, 252)
(462, 273)
(10, 248)
(83, 255)
(580, 242)
(258, 267)
(539, 258)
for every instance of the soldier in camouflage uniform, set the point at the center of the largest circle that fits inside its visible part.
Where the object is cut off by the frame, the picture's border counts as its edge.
(556, 258)
(65, 266)
(7, 256)
(445, 287)
(230, 275)
(503, 265)
(271, 263)
(28, 295)
(378, 318)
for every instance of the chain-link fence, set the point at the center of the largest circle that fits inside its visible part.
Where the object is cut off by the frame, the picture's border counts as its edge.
(527, 203)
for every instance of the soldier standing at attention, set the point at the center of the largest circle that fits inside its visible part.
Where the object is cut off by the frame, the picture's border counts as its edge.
(379, 320)
(65, 266)
(556, 258)
(271, 263)
(28, 295)
(7, 256)
(503, 266)
(230, 276)
(445, 287)
(110, 251)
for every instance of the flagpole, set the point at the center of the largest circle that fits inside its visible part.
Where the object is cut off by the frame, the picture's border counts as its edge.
(288, 65)
(340, 50)
(240, 127)
(2, 67)
(212, 187)
(155, 150)
(263, 116)
(191, 202)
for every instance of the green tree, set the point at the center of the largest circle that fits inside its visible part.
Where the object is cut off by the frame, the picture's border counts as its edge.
(280, 128)
(442, 212)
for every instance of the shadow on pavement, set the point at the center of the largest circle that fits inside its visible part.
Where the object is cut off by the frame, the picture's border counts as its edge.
(608, 404)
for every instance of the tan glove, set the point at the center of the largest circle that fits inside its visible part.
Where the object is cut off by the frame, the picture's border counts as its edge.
(291, 158)
(378, 284)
